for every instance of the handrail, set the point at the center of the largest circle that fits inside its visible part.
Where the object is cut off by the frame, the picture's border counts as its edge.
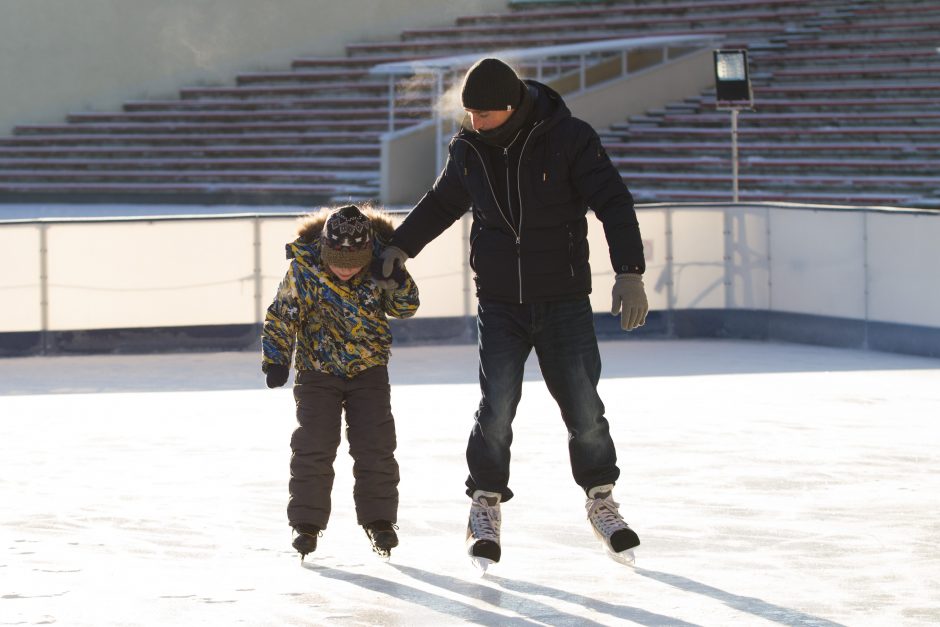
(524, 54)
(438, 67)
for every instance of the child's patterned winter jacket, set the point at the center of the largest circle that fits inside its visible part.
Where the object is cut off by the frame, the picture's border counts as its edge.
(328, 325)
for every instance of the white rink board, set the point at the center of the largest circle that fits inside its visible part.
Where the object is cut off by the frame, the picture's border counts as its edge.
(817, 263)
(749, 255)
(20, 292)
(698, 263)
(179, 272)
(904, 259)
(150, 274)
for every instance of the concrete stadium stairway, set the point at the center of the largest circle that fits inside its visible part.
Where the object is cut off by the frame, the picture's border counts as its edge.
(310, 134)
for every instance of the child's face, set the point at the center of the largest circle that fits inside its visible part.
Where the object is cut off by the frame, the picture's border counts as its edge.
(344, 274)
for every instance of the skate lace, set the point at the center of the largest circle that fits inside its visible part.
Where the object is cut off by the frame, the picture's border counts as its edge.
(484, 520)
(313, 532)
(604, 515)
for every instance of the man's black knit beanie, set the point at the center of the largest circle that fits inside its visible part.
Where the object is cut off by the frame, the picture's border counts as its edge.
(491, 85)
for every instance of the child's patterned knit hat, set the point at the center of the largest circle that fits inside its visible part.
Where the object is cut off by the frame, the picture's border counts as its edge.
(346, 238)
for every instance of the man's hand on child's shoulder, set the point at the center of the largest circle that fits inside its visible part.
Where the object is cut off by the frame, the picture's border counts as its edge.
(393, 258)
(389, 283)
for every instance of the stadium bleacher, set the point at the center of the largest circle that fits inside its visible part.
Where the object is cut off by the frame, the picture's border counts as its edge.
(847, 110)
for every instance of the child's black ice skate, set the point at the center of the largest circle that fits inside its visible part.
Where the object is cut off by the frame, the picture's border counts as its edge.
(305, 539)
(382, 535)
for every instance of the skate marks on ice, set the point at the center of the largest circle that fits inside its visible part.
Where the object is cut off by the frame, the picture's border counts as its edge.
(438, 603)
(745, 605)
(519, 596)
(492, 601)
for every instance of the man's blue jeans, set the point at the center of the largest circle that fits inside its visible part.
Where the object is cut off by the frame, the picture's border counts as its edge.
(562, 334)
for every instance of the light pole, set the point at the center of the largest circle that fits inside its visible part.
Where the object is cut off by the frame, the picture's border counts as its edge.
(733, 93)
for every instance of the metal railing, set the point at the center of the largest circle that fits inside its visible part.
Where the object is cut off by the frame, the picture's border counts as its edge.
(543, 64)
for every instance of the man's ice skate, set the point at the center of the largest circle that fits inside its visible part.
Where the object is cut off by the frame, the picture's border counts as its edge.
(483, 529)
(382, 535)
(609, 526)
(305, 539)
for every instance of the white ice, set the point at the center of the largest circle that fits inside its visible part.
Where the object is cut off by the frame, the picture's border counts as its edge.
(770, 484)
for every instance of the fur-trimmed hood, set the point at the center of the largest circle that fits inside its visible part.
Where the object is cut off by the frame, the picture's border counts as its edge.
(311, 226)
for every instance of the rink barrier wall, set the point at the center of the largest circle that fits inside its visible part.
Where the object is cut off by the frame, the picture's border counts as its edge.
(834, 276)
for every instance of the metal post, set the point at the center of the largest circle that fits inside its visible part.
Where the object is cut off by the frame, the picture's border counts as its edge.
(728, 241)
(867, 274)
(44, 289)
(734, 153)
(259, 312)
(670, 277)
(439, 135)
(391, 103)
(583, 71)
(467, 272)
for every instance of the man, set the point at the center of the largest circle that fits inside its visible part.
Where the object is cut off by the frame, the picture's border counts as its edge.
(529, 171)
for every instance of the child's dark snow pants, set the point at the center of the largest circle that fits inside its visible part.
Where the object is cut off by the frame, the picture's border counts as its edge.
(370, 431)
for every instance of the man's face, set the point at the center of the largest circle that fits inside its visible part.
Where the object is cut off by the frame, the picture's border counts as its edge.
(488, 120)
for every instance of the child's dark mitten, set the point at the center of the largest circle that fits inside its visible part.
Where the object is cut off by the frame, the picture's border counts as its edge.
(277, 375)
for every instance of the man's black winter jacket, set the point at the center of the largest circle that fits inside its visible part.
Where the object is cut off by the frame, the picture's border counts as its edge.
(534, 248)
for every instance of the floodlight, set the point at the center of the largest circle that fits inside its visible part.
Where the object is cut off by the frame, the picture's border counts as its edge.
(732, 83)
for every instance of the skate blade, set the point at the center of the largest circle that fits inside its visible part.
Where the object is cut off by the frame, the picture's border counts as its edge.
(627, 558)
(481, 563)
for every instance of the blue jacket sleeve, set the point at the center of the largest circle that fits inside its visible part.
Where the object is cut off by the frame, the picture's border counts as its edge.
(281, 321)
(403, 302)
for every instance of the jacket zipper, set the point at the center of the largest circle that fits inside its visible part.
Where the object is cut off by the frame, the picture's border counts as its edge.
(519, 191)
(508, 218)
(492, 190)
(509, 206)
(570, 250)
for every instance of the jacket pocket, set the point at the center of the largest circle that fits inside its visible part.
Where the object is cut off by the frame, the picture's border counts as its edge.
(550, 181)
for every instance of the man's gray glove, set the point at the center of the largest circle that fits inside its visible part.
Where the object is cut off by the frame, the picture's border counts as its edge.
(390, 256)
(390, 283)
(629, 300)
(389, 269)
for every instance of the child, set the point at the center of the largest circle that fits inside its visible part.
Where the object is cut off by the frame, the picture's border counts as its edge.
(330, 314)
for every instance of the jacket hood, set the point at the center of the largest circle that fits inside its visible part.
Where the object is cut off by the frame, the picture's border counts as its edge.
(549, 107)
(307, 245)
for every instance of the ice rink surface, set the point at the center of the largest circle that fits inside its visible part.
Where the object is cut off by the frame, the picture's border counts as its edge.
(771, 484)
